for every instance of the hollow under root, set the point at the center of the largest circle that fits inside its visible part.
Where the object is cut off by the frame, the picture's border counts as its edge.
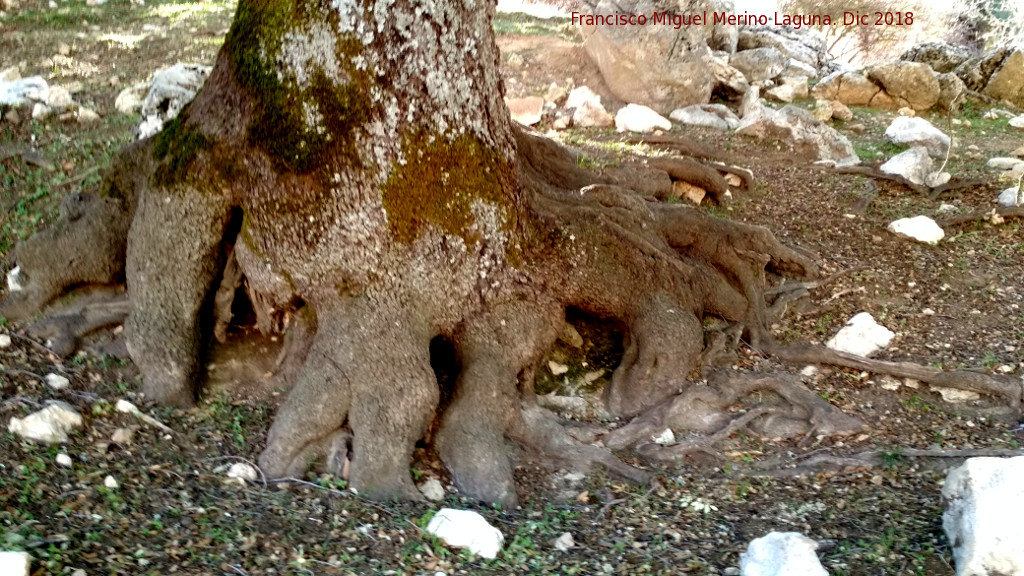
(63, 330)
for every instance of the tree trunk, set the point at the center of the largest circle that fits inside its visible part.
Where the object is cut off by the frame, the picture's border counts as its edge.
(357, 165)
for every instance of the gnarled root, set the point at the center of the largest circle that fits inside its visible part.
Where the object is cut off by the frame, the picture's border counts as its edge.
(1009, 388)
(370, 363)
(705, 410)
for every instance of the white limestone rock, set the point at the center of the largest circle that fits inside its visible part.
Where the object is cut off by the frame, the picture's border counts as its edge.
(914, 164)
(984, 504)
(56, 381)
(243, 471)
(1011, 197)
(526, 111)
(862, 336)
(432, 490)
(1017, 122)
(49, 425)
(129, 100)
(577, 96)
(15, 563)
(920, 228)
(800, 130)
(782, 93)
(24, 90)
(639, 118)
(5, 341)
(956, 395)
(64, 460)
(781, 554)
(111, 482)
(466, 529)
(751, 105)
(714, 116)
(1006, 163)
(59, 98)
(918, 132)
(591, 114)
(564, 542)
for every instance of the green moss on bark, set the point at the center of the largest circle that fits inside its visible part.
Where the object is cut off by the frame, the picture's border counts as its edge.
(175, 148)
(279, 124)
(439, 183)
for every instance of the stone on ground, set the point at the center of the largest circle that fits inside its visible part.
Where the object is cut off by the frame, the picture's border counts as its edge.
(466, 529)
(781, 93)
(432, 490)
(1006, 83)
(984, 505)
(243, 471)
(64, 460)
(918, 132)
(564, 542)
(5, 341)
(527, 111)
(23, 90)
(847, 87)
(15, 563)
(714, 116)
(803, 132)
(640, 118)
(56, 381)
(781, 554)
(129, 100)
(914, 164)
(751, 104)
(1017, 122)
(862, 336)
(941, 56)
(759, 64)
(1011, 197)
(728, 80)
(49, 425)
(920, 228)
(87, 116)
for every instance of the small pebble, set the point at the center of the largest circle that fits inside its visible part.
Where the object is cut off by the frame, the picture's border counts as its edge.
(110, 482)
(5, 341)
(57, 382)
(64, 460)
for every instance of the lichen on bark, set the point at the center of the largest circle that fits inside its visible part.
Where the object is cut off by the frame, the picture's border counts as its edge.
(440, 182)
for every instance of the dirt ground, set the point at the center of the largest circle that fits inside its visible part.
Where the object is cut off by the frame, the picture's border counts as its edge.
(954, 305)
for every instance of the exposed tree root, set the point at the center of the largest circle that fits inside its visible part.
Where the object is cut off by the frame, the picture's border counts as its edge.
(932, 192)
(983, 215)
(63, 330)
(1007, 388)
(819, 462)
(705, 410)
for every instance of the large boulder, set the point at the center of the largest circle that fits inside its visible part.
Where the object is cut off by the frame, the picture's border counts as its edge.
(984, 504)
(851, 88)
(803, 132)
(724, 36)
(729, 82)
(662, 67)
(942, 57)
(759, 64)
(806, 44)
(910, 84)
(1006, 83)
(976, 71)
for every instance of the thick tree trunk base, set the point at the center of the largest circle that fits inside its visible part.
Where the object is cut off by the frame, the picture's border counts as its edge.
(358, 366)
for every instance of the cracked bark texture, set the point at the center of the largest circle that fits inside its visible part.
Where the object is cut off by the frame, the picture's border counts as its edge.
(358, 165)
